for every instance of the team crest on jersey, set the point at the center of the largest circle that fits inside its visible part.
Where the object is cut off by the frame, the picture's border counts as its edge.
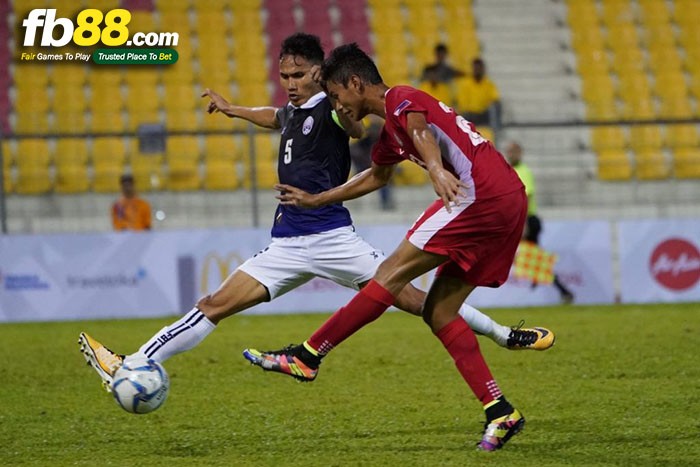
(308, 125)
(399, 108)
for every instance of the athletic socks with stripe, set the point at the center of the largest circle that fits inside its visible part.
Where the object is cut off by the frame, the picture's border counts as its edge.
(184, 334)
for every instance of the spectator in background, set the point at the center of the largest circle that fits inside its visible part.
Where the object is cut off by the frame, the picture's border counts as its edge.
(477, 97)
(533, 224)
(441, 70)
(130, 212)
(432, 85)
(361, 155)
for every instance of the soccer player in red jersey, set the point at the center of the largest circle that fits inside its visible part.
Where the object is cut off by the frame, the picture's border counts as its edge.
(470, 233)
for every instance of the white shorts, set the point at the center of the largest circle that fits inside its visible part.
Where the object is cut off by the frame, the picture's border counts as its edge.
(289, 262)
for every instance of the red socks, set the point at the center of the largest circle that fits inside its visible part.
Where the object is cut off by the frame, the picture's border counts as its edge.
(461, 343)
(365, 307)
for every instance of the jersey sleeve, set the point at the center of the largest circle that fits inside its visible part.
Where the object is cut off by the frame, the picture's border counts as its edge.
(282, 116)
(403, 101)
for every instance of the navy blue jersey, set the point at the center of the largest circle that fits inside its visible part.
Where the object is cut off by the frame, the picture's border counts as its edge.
(314, 156)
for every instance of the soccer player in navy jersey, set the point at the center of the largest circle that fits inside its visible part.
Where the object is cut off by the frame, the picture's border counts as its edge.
(470, 233)
(306, 243)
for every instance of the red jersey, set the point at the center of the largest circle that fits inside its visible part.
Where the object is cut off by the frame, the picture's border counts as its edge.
(465, 153)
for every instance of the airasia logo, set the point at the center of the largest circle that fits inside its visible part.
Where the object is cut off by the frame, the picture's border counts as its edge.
(675, 264)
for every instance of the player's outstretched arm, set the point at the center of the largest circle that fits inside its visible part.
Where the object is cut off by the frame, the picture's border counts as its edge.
(364, 182)
(262, 116)
(446, 185)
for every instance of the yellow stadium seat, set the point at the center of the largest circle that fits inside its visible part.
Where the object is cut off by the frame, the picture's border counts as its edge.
(182, 148)
(174, 20)
(654, 12)
(7, 181)
(69, 122)
(31, 99)
(608, 137)
(71, 152)
(142, 99)
(670, 84)
(694, 87)
(143, 21)
(614, 165)
(176, 75)
(598, 89)
(223, 148)
(72, 179)
(183, 175)
(594, 65)
(31, 123)
(8, 155)
(147, 168)
(143, 117)
(588, 39)
(675, 108)
(107, 121)
(640, 109)
(105, 77)
(651, 164)
(617, 12)
(217, 122)
(108, 151)
(686, 162)
(33, 180)
(181, 6)
(66, 75)
(682, 136)
(33, 153)
(106, 178)
(69, 98)
(601, 111)
(108, 159)
(221, 175)
(183, 98)
(182, 157)
(265, 175)
(644, 137)
(408, 173)
(181, 121)
(141, 77)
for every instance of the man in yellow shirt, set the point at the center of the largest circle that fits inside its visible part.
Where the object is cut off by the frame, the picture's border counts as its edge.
(130, 212)
(478, 99)
(533, 225)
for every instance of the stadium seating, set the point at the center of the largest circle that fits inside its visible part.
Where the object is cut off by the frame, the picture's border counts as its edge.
(686, 162)
(646, 52)
(614, 164)
(182, 156)
(109, 160)
(33, 158)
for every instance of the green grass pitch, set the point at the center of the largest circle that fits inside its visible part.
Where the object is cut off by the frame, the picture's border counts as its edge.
(621, 387)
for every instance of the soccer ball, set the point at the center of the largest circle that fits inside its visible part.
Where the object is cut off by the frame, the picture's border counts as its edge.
(140, 385)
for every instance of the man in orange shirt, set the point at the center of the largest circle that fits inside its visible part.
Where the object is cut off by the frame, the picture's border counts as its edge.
(130, 212)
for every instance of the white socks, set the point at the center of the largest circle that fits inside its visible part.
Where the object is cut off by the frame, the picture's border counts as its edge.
(182, 335)
(484, 325)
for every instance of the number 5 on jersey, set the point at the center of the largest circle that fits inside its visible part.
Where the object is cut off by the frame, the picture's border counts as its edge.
(288, 151)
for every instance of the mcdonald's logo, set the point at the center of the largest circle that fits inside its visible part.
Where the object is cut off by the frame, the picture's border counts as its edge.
(222, 267)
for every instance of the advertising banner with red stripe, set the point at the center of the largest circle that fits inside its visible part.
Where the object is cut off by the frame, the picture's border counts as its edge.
(659, 260)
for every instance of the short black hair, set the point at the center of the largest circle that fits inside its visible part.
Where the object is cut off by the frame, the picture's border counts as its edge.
(441, 48)
(126, 178)
(348, 60)
(303, 45)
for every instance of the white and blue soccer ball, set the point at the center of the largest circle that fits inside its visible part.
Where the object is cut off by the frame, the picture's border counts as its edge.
(140, 385)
